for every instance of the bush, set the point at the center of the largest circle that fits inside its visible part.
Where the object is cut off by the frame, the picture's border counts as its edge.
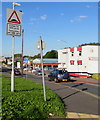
(27, 102)
(96, 76)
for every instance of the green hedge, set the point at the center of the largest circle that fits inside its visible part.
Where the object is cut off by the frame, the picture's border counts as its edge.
(96, 76)
(27, 102)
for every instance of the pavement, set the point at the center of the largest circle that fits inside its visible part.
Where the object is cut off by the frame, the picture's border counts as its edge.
(81, 116)
(76, 116)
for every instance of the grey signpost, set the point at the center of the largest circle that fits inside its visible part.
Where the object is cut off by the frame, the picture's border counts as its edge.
(14, 29)
(41, 46)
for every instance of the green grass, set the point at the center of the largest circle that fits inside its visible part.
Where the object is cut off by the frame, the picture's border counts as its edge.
(96, 76)
(0, 95)
(27, 102)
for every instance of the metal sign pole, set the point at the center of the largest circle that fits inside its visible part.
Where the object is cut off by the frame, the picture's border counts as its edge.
(41, 49)
(22, 49)
(12, 75)
(13, 29)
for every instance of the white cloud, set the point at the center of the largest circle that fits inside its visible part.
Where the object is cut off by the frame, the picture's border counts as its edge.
(71, 21)
(83, 16)
(78, 19)
(31, 23)
(33, 19)
(0, 15)
(62, 14)
(43, 17)
(88, 6)
(37, 8)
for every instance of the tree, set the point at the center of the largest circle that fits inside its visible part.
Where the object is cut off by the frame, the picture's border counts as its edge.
(51, 54)
(37, 56)
(18, 55)
(98, 44)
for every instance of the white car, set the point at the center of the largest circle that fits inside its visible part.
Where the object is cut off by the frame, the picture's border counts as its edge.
(33, 71)
(25, 69)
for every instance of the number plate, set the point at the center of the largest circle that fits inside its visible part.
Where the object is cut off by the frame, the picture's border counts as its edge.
(64, 79)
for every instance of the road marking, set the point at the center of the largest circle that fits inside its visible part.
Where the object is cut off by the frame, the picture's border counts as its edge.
(92, 84)
(95, 96)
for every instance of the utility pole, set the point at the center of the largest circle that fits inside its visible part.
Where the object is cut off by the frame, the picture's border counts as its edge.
(22, 50)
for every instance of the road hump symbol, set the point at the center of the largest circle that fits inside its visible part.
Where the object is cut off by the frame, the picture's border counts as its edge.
(14, 18)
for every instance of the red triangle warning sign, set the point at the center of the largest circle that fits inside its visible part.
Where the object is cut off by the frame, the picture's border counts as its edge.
(14, 18)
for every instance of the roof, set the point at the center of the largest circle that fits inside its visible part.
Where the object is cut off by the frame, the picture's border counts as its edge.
(46, 60)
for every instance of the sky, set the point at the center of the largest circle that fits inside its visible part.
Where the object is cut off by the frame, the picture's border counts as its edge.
(61, 24)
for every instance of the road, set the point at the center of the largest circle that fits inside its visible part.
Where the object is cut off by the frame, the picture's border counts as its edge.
(79, 95)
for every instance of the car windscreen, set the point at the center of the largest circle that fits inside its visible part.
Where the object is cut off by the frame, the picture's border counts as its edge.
(62, 72)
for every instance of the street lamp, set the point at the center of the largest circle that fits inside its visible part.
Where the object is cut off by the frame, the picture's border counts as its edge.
(62, 41)
(16, 4)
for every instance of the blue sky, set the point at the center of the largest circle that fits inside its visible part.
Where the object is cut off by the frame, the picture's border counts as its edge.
(73, 22)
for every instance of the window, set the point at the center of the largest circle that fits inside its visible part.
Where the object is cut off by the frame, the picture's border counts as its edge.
(71, 62)
(64, 52)
(79, 62)
(72, 53)
(80, 53)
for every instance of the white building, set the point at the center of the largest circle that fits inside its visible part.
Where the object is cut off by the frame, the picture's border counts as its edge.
(84, 59)
(47, 63)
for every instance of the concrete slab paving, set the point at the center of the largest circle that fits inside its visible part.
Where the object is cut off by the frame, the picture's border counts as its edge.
(82, 116)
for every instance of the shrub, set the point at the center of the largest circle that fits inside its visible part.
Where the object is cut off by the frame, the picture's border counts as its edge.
(27, 102)
(96, 76)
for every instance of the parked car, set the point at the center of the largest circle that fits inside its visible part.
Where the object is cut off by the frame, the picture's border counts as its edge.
(25, 69)
(17, 72)
(39, 72)
(59, 75)
(34, 70)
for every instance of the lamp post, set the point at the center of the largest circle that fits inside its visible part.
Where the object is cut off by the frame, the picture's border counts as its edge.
(62, 41)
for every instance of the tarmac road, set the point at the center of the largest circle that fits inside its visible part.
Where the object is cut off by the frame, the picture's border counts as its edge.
(79, 95)
(77, 98)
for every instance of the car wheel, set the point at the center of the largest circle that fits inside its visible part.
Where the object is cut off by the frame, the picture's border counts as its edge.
(56, 80)
(68, 79)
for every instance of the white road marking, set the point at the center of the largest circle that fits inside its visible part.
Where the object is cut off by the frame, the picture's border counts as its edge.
(93, 84)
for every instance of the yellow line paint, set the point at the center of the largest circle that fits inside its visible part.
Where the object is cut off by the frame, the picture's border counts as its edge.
(95, 96)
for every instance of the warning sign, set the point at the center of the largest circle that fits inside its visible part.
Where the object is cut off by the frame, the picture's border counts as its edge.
(13, 29)
(14, 18)
(14, 21)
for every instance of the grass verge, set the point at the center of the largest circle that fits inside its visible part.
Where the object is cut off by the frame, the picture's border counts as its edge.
(96, 76)
(27, 102)
(0, 96)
